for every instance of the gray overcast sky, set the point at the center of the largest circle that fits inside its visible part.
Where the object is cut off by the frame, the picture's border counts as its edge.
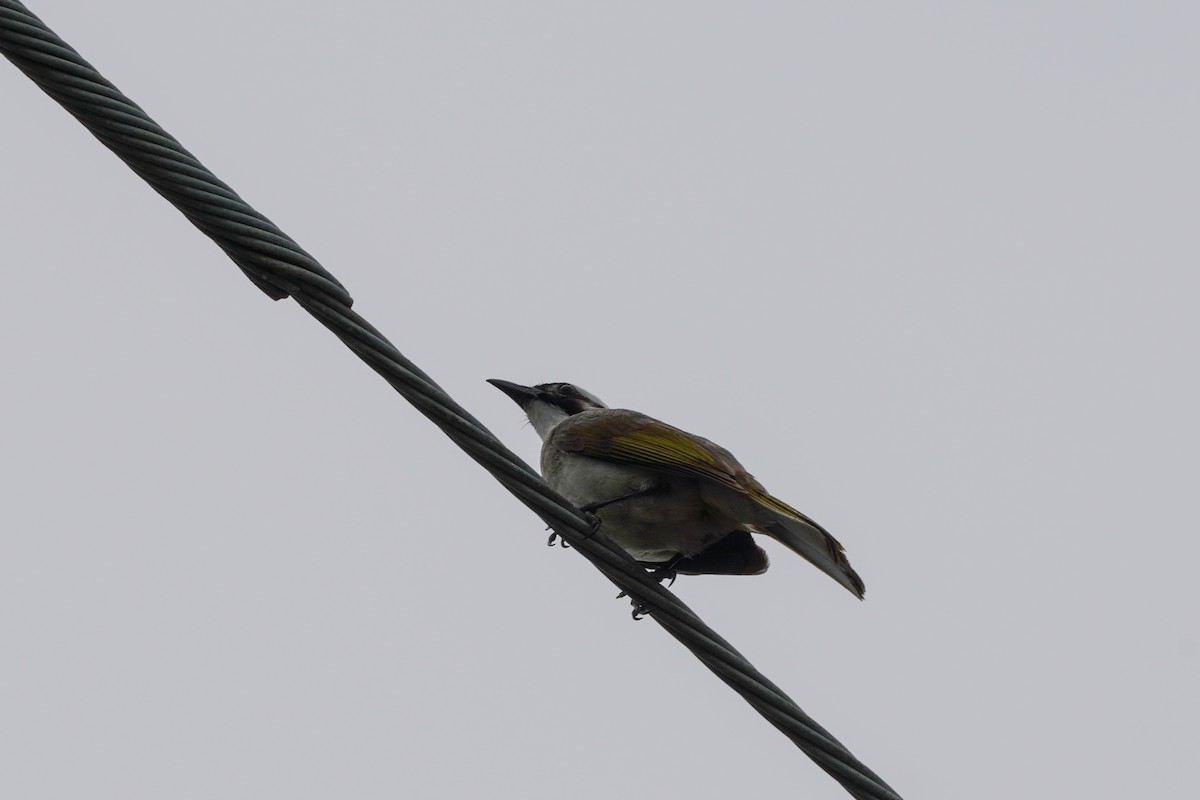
(930, 271)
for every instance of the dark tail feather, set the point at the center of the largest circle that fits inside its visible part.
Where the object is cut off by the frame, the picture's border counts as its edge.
(814, 543)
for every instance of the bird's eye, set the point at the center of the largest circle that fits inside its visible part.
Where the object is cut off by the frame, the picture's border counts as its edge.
(567, 390)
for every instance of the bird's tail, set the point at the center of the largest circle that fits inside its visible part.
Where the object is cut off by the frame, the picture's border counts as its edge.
(810, 540)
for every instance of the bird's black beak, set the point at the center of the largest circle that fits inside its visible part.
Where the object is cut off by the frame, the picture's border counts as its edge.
(521, 395)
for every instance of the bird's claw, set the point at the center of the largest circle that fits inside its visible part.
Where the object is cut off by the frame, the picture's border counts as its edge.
(667, 574)
(639, 610)
(661, 573)
(660, 576)
(593, 522)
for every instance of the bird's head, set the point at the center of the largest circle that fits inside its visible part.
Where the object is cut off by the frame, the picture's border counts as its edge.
(548, 404)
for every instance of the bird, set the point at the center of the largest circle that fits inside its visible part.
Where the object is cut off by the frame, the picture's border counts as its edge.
(674, 501)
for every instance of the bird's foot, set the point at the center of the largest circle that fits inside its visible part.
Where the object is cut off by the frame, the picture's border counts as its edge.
(593, 522)
(639, 610)
(664, 573)
(659, 572)
(664, 570)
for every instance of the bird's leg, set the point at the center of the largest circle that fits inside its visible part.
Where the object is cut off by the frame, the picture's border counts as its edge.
(555, 537)
(645, 487)
(593, 522)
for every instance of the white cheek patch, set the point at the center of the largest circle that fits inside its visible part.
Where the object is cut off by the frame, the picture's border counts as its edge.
(544, 417)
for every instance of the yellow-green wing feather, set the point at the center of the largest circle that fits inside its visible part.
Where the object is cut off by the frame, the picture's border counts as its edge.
(636, 438)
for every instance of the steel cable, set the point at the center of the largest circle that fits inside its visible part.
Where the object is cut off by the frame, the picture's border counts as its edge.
(281, 268)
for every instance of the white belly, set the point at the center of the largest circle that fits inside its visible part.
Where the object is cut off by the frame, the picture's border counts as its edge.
(654, 527)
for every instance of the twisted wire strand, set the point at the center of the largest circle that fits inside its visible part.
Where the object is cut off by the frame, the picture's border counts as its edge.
(281, 268)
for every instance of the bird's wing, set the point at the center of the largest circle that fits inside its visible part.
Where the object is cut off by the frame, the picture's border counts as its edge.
(632, 437)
